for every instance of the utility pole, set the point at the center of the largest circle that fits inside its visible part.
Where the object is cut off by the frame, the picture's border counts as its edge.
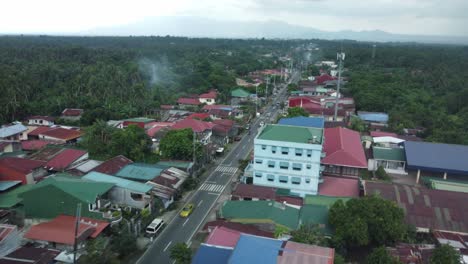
(340, 57)
(77, 226)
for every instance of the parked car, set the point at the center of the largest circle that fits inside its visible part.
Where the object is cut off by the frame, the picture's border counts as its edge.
(247, 127)
(154, 227)
(237, 138)
(262, 123)
(187, 210)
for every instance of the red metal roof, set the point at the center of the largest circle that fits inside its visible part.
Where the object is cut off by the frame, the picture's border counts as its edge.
(62, 133)
(224, 122)
(62, 229)
(19, 164)
(39, 130)
(323, 78)
(343, 148)
(188, 101)
(196, 125)
(33, 255)
(72, 112)
(156, 127)
(64, 159)
(296, 253)
(113, 165)
(243, 228)
(302, 100)
(223, 236)
(254, 191)
(33, 144)
(426, 208)
(200, 116)
(382, 134)
(339, 187)
(209, 95)
(294, 200)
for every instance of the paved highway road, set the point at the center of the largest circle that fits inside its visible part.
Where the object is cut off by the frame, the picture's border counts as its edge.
(183, 229)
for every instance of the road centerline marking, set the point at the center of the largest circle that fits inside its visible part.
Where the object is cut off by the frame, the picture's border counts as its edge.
(186, 221)
(168, 244)
(200, 203)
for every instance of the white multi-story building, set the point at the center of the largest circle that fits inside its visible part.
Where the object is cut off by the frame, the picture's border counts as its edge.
(288, 157)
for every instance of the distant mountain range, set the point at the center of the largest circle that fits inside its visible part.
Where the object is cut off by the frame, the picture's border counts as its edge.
(203, 27)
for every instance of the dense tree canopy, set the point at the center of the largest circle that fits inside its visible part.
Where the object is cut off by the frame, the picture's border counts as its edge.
(115, 77)
(367, 221)
(178, 144)
(445, 254)
(181, 253)
(297, 111)
(381, 256)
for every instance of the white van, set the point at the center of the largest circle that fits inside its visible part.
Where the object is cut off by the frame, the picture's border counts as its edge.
(155, 225)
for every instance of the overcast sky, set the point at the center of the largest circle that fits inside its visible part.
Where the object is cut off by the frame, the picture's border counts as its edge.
(428, 17)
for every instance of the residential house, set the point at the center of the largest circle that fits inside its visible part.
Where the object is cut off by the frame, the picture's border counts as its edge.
(31, 145)
(208, 98)
(83, 167)
(157, 128)
(65, 159)
(167, 184)
(7, 146)
(412, 253)
(63, 194)
(339, 187)
(431, 159)
(125, 192)
(15, 131)
(219, 111)
(250, 192)
(32, 255)
(41, 120)
(288, 157)
(199, 116)
(72, 114)
(424, 208)
(185, 103)
(375, 120)
(60, 135)
(61, 233)
(393, 160)
(112, 166)
(343, 154)
(140, 172)
(9, 239)
(250, 249)
(456, 240)
(242, 228)
(249, 212)
(18, 169)
(141, 122)
(239, 95)
(225, 130)
(202, 130)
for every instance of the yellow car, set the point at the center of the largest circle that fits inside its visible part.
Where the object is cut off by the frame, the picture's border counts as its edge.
(187, 210)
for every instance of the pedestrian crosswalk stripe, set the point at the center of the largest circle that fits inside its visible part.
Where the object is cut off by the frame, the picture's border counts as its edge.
(212, 187)
(226, 169)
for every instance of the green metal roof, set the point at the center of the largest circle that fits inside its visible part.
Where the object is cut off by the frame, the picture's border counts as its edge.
(239, 92)
(83, 190)
(320, 200)
(291, 134)
(140, 120)
(140, 171)
(120, 182)
(249, 211)
(315, 214)
(10, 199)
(446, 185)
(395, 154)
(176, 164)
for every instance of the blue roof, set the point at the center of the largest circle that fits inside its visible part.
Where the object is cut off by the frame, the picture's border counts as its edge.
(209, 254)
(436, 157)
(122, 183)
(373, 116)
(255, 250)
(140, 171)
(317, 122)
(5, 185)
